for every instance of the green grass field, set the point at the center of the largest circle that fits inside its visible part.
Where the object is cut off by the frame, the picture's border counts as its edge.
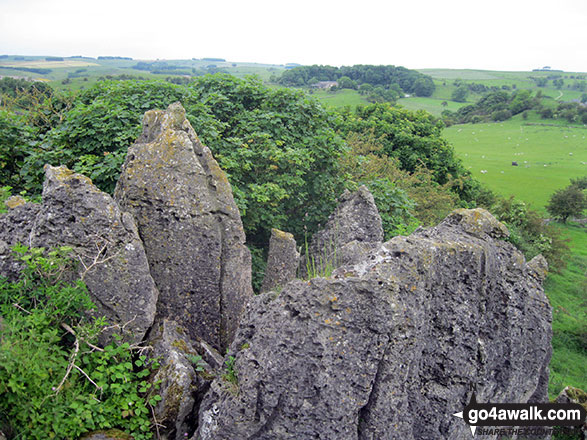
(431, 105)
(88, 70)
(547, 155)
(339, 98)
(444, 80)
(567, 292)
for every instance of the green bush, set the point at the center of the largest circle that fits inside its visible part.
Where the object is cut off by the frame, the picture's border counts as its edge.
(530, 234)
(568, 202)
(414, 139)
(395, 208)
(54, 381)
(15, 145)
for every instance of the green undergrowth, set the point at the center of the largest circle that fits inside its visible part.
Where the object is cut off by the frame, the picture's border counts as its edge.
(55, 381)
(567, 292)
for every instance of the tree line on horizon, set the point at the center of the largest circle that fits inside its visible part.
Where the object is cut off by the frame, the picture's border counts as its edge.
(396, 78)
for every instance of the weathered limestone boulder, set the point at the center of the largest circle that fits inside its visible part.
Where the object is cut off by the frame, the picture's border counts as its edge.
(183, 382)
(390, 347)
(282, 261)
(190, 226)
(356, 219)
(105, 242)
(15, 228)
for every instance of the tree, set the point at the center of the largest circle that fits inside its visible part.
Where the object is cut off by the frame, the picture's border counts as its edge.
(344, 82)
(521, 101)
(460, 94)
(414, 139)
(365, 88)
(424, 87)
(567, 202)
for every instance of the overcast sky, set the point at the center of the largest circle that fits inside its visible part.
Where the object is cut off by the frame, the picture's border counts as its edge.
(491, 34)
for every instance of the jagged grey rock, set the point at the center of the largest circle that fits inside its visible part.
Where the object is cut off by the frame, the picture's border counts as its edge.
(391, 347)
(357, 219)
(104, 240)
(282, 261)
(356, 251)
(181, 384)
(190, 226)
(15, 228)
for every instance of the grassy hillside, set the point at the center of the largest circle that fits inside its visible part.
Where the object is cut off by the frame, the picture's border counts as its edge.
(547, 155)
(444, 80)
(79, 73)
(567, 292)
(339, 98)
(431, 105)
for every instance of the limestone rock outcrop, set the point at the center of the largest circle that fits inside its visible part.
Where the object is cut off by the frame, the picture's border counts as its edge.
(390, 347)
(282, 261)
(104, 239)
(190, 227)
(356, 220)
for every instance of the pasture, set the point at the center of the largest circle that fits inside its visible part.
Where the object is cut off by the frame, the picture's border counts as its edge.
(431, 105)
(48, 64)
(547, 156)
(339, 98)
(566, 292)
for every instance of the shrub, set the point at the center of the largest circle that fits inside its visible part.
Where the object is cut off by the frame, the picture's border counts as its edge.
(501, 115)
(567, 202)
(15, 144)
(529, 232)
(54, 381)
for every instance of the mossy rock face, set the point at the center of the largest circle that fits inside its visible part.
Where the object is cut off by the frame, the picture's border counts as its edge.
(478, 222)
(14, 201)
(111, 434)
(282, 262)
(578, 395)
(355, 219)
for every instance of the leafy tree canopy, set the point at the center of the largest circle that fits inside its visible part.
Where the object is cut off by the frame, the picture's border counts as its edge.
(568, 202)
(409, 81)
(414, 138)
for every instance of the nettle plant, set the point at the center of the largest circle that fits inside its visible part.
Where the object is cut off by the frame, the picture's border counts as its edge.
(55, 381)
